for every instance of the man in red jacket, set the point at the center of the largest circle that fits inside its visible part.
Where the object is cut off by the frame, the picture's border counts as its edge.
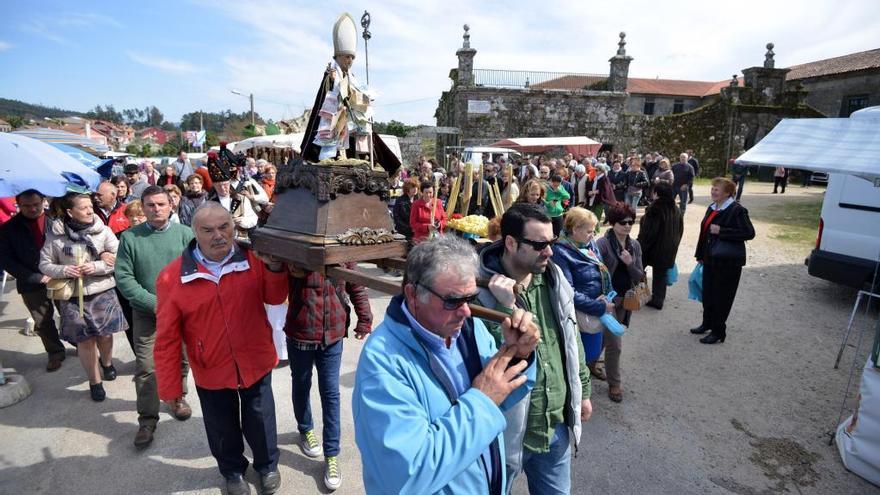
(212, 299)
(317, 319)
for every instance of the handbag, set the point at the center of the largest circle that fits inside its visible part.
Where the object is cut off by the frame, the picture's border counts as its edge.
(638, 296)
(672, 275)
(59, 289)
(726, 250)
(587, 323)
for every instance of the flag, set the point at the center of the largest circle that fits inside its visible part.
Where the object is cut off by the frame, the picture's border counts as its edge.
(200, 139)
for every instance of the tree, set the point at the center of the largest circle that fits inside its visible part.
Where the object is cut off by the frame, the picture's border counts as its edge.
(146, 150)
(169, 149)
(393, 127)
(211, 140)
(155, 117)
(14, 120)
(109, 114)
(133, 149)
(168, 126)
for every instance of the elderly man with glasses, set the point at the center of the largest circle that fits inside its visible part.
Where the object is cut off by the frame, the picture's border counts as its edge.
(431, 387)
(540, 430)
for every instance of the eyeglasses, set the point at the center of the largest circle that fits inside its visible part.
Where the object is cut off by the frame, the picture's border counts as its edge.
(627, 222)
(452, 303)
(537, 245)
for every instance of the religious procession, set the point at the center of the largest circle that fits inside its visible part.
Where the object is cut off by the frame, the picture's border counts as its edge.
(489, 289)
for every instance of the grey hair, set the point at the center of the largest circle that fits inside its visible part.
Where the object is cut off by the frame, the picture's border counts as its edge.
(206, 208)
(444, 253)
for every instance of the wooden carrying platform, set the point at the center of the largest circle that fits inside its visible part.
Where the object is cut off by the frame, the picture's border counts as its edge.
(330, 214)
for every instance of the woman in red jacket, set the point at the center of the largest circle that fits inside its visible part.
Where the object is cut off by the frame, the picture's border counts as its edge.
(420, 215)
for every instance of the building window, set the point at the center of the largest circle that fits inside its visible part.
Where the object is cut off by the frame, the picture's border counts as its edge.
(853, 103)
(649, 106)
(677, 106)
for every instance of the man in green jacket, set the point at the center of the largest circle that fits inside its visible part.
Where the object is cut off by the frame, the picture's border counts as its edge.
(144, 251)
(540, 430)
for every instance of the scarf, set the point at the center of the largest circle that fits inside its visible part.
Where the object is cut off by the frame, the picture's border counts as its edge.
(590, 253)
(615, 245)
(78, 233)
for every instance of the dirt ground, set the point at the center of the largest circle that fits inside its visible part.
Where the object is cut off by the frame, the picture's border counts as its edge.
(749, 416)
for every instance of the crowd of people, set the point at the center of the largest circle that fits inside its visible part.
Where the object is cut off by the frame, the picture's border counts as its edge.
(443, 402)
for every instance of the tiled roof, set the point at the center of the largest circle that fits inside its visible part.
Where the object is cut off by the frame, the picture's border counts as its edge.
(672, 87)
(571, 81)
(837, 65)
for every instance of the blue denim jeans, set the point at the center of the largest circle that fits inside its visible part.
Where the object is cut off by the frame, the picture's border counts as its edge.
(682, 199)
(327, 362)
(632, 200)
(550, 472)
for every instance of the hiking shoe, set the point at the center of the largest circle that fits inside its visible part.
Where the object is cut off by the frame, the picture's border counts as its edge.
(332, 478)
(309, 445)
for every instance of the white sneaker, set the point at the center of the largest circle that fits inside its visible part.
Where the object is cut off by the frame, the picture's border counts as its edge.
(332, 477)
(309, 445)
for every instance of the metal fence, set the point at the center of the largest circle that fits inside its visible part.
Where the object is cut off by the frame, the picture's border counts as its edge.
(524, 79)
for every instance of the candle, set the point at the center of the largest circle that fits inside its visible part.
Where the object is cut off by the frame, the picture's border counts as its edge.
(480, 187)
(79, 255)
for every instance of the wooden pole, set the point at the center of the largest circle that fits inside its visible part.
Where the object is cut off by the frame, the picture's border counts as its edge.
(469, 187)
(453, 196)
(480, 187)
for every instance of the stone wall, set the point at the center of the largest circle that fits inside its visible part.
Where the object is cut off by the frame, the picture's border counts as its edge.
(663, 105)
(716, 132)
(829, 94)
(485, 115)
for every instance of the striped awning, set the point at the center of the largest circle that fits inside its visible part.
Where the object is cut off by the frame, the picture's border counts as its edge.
(58, 136)
(844, 146)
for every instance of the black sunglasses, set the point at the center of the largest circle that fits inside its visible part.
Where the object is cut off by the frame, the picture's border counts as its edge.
(537, 245)
(452, 303)
(627, 222)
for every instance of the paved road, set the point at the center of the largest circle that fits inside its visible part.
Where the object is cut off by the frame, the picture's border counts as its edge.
(749, 416)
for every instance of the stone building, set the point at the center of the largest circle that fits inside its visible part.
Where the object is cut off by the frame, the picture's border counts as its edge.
(718, 119)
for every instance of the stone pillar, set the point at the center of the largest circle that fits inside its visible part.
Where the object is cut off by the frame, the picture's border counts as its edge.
(465, 56)
(731, 92)
(767, 82)
(619, 67)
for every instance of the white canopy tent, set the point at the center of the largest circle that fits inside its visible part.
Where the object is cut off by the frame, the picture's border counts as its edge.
(845, 146)
(278, 141)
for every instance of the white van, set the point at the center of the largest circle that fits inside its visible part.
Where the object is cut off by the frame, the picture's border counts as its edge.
(848, 243)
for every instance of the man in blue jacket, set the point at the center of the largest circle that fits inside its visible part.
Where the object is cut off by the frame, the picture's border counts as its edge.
(430, 387)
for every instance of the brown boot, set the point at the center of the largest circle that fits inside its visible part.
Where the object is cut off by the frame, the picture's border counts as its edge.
(180, 409)
(144, 436)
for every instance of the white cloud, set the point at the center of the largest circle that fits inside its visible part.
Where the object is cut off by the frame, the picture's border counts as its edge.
(43, 30)
(4, 46)
(164, 64)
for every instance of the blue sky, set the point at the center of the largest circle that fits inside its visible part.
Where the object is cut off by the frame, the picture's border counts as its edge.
(183, 56)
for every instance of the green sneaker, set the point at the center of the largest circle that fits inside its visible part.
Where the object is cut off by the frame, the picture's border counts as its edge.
(309, 445)
(332, 478)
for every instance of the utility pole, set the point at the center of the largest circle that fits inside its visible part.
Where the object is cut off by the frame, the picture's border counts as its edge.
(253, 121)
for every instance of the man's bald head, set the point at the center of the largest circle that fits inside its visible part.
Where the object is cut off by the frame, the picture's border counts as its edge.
(106, 195)
(213, 227)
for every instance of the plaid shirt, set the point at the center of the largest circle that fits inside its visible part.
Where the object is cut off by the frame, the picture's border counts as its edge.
(320, 308)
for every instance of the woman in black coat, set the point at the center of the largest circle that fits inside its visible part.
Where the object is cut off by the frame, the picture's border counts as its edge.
(402, 208)
(660, 231)
(722, 251)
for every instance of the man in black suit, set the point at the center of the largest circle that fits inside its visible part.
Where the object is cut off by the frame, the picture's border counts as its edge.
(21, 239)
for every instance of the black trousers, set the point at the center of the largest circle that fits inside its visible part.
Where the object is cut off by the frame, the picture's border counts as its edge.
(557, 223)
(719, 290)
(658, 285)
(43, 312)
(779, 182)
(230, 413)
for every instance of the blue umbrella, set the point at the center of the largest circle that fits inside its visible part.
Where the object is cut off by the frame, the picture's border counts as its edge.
(86, 159)
(26, 163)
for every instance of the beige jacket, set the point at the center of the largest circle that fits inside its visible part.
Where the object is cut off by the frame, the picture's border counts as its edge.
(53, 258)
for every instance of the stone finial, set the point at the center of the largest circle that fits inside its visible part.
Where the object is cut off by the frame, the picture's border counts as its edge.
(734, 82)
(467, 37)
(769, 63)
(621, 50)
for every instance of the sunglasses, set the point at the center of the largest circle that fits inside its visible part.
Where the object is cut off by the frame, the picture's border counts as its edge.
(627, 222)
(452, 303)
(537, 245)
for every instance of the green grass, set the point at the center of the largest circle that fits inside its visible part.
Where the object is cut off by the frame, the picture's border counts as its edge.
(793, 221)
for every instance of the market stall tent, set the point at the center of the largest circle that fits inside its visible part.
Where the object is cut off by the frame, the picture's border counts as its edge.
(576, 145)
(844, 146)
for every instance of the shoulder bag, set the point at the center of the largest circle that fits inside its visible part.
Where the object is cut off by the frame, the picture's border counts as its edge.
(60, 289)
